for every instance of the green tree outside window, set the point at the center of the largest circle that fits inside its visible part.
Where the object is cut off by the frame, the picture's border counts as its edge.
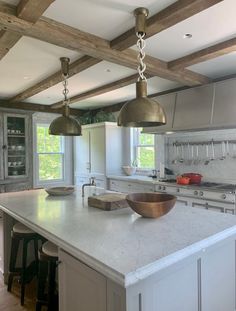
(50, 154)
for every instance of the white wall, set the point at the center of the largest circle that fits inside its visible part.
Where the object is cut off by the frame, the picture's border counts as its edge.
(217, 170)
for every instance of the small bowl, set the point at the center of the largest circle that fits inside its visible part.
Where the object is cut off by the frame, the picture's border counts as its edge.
(129, 170)
(151, 205)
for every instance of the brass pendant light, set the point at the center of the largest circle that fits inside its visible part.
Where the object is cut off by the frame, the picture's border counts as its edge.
(65, 125)
(141, 111)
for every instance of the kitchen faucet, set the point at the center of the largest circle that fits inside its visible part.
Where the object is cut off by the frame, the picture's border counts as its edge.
(91, 183)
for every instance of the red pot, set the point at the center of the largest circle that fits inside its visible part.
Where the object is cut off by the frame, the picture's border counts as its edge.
(181, 180)
(194, 178)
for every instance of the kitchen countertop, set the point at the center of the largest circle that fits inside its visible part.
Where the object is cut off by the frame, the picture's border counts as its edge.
(120, 244)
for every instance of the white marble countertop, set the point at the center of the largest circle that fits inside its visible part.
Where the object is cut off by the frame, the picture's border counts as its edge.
(120, 244)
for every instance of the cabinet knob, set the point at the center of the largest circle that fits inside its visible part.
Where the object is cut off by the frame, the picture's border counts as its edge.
(177, 190)
(223, 196)
(201, 193)
(195, 193)
(4, 147)
(163, 188)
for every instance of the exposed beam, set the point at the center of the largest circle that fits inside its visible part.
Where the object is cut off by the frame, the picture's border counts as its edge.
(29, 10)
(203, 55)
(36, 108)
(170, 16)
(74, 39)
(100, 90)
(76, 67)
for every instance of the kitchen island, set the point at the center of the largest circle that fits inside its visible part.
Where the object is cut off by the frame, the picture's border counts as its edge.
(119, 261)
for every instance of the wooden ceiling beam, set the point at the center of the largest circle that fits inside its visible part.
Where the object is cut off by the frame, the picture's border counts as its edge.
(203, 55)
(36, 108)
(65, 36)
(29, 10)
(170, 16)
(100, 90)
(79, 65)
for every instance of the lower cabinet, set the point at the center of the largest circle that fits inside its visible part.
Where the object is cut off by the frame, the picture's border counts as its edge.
(128, 187)
(204, 281)
(80, 287)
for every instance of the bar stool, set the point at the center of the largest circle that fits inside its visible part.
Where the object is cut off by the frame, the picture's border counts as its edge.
(48, 260)
(22, 233)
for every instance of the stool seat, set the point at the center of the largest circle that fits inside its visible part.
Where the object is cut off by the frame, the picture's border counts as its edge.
(20, 228)
(50, 249)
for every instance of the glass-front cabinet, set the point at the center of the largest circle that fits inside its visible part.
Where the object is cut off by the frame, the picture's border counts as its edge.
(15, 146)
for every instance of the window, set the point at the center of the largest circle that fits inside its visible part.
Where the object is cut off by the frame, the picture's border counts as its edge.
(144, 149)
(49, 155)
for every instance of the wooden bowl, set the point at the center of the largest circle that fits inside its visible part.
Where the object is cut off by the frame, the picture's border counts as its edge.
(151, 205)
(60, 190)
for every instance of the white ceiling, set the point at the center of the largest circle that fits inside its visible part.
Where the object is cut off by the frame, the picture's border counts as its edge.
(29, 61)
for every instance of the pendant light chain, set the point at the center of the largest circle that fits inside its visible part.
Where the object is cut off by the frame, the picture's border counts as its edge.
(65, 91)
(141, 44)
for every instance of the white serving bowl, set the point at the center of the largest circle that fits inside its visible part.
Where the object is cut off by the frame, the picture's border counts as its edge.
(129, 170)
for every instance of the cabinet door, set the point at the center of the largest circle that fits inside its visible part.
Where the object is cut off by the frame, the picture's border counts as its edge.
(82, 157)
(177, 291)
(194, 108)
(218, 278)
(80, 287)
(168, 104)
(16, 142)
(97, 150)
(1, 147)
(224, 112)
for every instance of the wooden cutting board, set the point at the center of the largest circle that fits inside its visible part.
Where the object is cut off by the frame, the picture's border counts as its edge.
(108, 201)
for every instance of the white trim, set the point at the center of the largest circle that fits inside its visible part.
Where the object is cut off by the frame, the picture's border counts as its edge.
(43, 118)
(135, 144)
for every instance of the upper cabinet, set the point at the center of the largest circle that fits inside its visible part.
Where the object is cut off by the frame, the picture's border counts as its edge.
(194, 108)
(224, 113)
(168, 104)
(16, 155)
(98, 152)
(16, 146)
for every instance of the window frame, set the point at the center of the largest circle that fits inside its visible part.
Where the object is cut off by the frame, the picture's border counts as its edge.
(67, 161)
(134, 155)
(62, 153)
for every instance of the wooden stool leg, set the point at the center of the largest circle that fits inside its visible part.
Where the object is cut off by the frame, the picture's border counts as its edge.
(42, 279)
(51, 285)
(36, 242)
(23, 271)
(12, 265)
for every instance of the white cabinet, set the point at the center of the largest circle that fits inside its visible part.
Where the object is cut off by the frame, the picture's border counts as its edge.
(194, 108)
(204, 281)
(224, 113)
(129, 186)
(218, 278)
(177, 290)
(80, 287)
(168, 104)
(98, 152)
